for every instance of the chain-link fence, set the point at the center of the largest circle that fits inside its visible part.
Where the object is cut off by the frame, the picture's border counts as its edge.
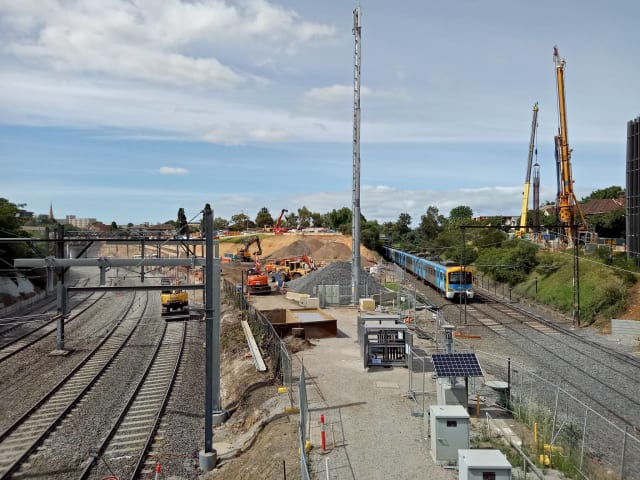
(302, 426)
(266, 337)
(565, 432)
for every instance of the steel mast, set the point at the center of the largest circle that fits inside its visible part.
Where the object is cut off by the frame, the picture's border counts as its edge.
(568, 206)
(355, 194)
(527, 178)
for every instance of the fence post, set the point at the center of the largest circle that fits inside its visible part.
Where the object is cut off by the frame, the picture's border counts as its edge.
(624, 446)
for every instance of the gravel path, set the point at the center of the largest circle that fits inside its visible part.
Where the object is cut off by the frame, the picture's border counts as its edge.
(377, 437)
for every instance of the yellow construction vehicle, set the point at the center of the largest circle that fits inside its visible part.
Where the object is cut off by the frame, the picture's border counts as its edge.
(527, 179)
(291, 268)
(172, 297)
(243, 254)
(569, 212)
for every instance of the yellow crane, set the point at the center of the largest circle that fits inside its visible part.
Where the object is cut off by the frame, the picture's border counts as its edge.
(567, 205)
(527, 179)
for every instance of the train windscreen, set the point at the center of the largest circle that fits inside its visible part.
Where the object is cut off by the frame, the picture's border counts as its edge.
(460, 277)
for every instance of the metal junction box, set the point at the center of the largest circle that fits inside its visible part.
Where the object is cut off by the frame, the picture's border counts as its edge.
(482, 464)
(384, 340)
(449, 427)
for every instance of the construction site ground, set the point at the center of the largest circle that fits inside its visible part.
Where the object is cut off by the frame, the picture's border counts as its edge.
(374, 426)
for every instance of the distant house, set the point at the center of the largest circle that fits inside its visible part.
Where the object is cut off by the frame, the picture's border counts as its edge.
(598, 206)
(602, 206)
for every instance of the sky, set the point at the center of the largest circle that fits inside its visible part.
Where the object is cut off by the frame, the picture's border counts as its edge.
(127, 110)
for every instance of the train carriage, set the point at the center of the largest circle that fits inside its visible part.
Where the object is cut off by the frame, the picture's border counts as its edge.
(450, 280)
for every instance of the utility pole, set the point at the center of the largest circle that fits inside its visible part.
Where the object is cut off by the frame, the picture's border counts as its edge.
(213, 414)
(355, 222)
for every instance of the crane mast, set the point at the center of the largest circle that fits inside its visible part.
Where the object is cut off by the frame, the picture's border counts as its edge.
(568, 206)
(527, 178)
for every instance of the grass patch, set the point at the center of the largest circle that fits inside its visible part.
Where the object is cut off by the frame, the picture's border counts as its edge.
(603, 284)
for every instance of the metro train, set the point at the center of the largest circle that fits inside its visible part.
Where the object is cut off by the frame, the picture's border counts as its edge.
(450, 280)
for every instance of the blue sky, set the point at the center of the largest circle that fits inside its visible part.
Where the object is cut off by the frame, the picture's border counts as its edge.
(128, 110)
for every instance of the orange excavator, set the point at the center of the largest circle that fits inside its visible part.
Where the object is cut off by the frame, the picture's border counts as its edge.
(257, 281)
(277, 229)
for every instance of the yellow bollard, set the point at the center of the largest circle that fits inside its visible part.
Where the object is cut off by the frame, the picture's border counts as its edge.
(535, 436)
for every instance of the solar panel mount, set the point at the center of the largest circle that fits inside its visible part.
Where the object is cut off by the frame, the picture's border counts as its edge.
(457, 365)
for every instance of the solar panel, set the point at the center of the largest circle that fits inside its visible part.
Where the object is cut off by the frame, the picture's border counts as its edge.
(456, 365)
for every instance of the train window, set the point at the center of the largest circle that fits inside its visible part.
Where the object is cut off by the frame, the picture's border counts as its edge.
(460, 277)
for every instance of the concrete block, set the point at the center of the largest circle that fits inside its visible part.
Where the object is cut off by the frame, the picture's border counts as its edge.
(309, 302)
(367, 304)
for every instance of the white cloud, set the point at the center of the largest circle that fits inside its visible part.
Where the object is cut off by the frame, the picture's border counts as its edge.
(269, 135)
(173, 170)
(171, 42)
(334, 94)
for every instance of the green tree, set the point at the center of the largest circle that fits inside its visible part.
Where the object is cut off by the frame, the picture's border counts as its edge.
(431, 223)
(318, 219)
(239, 221)
(264, 218)
(370, 235)
(291, 219)
(11, 223)
(182, 225)
(336, 218)
(609, 192)
(403, 224)
(610, 225)
(460, 214)
(114, 226)
(304, 217)
(511, 262)
(220, 223)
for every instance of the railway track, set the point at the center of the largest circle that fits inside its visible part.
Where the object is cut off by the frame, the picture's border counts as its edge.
(125, 447)
(28, 432)
(44, 312)
(16, 340)
(580, 363)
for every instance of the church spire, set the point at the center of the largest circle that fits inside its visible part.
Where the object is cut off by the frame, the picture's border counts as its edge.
(51, 217)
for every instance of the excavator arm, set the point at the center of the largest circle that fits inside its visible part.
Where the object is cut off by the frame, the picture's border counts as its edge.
(277, 229)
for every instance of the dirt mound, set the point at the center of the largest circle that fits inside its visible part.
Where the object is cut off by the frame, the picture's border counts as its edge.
(297, 248)
(332, 251)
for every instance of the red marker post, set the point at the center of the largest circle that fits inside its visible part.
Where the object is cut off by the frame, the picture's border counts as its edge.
(323, 440)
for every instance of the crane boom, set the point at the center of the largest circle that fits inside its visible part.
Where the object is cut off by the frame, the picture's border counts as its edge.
(277, 229)
(568, 207)
(527, 178)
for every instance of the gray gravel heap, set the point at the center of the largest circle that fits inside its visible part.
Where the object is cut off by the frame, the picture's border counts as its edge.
(335, 273)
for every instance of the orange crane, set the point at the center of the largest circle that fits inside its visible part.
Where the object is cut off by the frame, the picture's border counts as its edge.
(527, 179)
(569, 211)
(277, 229)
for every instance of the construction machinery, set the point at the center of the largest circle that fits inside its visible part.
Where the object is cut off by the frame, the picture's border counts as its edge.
(527, 179)
(291, 268)
(568, 208)
(277, 229)
(257, 280)
(172, 297)
(244, 255)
